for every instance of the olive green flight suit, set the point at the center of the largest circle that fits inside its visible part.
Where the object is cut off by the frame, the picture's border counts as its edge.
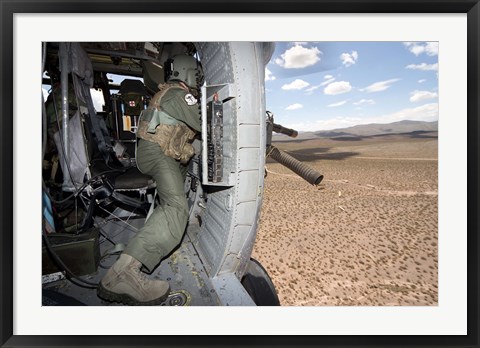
(165, 227)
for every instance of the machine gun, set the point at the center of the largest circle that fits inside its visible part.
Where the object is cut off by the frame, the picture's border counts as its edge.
(309, 174)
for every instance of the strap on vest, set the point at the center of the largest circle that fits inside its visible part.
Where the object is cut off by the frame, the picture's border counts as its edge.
(155, 117)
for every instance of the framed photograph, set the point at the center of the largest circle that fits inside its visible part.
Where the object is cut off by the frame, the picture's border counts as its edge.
(373, 104)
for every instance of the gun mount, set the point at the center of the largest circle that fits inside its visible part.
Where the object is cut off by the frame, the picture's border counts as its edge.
(304, 171)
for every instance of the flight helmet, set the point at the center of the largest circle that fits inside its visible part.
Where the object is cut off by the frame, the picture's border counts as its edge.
(184, 68)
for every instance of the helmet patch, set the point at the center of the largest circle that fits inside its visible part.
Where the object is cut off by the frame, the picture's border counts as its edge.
(190, 99)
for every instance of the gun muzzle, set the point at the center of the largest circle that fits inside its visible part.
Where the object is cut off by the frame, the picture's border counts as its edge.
(302, 170)
(287, 131)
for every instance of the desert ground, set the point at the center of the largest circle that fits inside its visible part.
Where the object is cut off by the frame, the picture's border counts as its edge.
(367, 235)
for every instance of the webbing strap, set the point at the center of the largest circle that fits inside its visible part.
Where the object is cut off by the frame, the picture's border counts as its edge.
(152, 206)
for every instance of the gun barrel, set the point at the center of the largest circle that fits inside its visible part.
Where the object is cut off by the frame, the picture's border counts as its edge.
(304, 171)
(287, 131)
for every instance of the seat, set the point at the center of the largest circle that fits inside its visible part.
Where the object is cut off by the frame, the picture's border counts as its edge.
(100, 179)
(127, 105)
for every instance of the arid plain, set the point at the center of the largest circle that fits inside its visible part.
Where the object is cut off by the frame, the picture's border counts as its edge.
(367, 235)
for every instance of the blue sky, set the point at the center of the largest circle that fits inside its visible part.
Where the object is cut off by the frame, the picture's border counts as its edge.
(312, 86)
(326, 85)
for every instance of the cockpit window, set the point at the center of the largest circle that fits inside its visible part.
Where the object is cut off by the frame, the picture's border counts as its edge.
(97, 99)
(117, 79)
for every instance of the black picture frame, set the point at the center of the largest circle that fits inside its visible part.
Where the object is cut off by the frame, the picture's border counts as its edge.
(10, 7)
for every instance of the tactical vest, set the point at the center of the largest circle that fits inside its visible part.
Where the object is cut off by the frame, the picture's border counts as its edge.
(173, 136)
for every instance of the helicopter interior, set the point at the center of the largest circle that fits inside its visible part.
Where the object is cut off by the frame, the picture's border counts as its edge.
(95, 199)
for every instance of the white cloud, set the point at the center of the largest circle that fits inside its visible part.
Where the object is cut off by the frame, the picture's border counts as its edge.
(379, 86)
(422, 95)
(417, 48)
(414, 48)
(423, 66)
(349, 58)
(311, 89)
(268, 75)
(427, 113)
(297, 84)
(337, 104)
(299, 57)
(295, 106)
(338, 88)
(365, 102)
(431, 48)
(422, 81)
(324, 83)
(328, 77)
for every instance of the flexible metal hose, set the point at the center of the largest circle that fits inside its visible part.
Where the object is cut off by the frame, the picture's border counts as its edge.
(299, 168)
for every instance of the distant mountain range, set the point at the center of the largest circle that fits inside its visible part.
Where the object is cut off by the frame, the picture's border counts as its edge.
(365, 130)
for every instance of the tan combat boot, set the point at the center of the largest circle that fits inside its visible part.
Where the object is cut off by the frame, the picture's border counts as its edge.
(125, 283)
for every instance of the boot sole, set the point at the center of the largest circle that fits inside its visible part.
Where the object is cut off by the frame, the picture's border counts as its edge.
(127, 299)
